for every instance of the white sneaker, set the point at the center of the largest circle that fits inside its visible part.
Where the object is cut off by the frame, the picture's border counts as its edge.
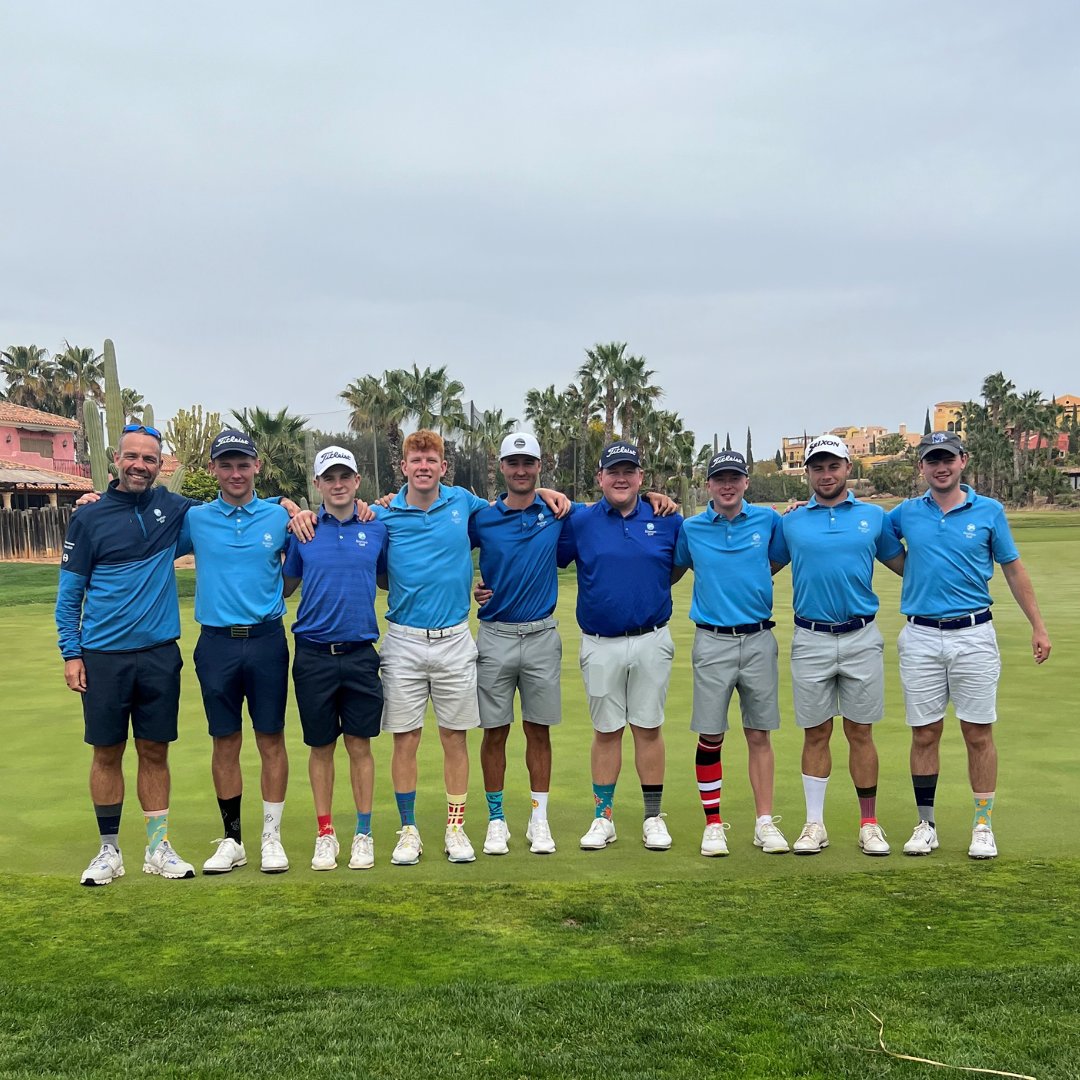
(229, 855)
(106, 865)
(408, 849)
(872, 840)
(923, 840)
(457, 846)
(601, 833)
(654, 833)
(539, 836)
(713, 840)
(274, 859)
(165, 862)
(812, 839)
(770, 839)
(495, 843)
(982, 843)
(362, 855)
(326, 853)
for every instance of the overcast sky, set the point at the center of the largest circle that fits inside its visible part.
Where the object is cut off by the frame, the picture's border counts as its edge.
(802, 214)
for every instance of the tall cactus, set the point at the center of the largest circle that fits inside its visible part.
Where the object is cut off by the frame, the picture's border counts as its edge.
(95, 444)
(176, 481)
(114, 402)
(148, 416)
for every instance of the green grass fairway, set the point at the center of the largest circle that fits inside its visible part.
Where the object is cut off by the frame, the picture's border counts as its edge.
(582, 964)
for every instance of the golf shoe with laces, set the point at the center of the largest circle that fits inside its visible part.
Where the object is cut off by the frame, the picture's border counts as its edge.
(713, 840)
(601, 833)
(408, 849)
(104, 867)
(498, 835)
(274, 859)
(229, 855)
(326, 852)
(362, 855)
(983, 845)
(457, 845)
(164, 862)
(923, 840)
(540, 839)
(812, 839)
(654, 833)
(770, 839)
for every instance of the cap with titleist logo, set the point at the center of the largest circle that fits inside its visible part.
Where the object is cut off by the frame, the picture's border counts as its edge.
(232, 442)
(616, 452)
(827, 444)
(334, 455)
(520, 442)
(946, 441)
(727, 461)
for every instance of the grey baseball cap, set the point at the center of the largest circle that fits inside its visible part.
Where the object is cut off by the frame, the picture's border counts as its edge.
(941, 440)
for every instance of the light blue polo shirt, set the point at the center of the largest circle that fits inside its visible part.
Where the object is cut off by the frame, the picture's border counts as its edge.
(429, 560)
(517, 559)
(731, 563)
(238, 561)
(951, 556)
(339, 569)
(623, 566)
(832, 551)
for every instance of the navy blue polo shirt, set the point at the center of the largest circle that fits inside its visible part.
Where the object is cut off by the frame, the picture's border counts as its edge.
(732, 564)
(832, 551)
(338, 569)
(951, 555)
(623, 566)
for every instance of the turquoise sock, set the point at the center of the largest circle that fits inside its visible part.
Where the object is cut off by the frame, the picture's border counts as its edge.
(157, 828)
(406, 805)
(604, 794)
(495, 806)
(984, 808)
(363, 824)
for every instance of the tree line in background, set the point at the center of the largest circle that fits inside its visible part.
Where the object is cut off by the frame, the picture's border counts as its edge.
(1012, 438)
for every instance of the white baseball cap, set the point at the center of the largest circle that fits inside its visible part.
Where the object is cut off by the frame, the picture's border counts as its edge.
(334, 455)
(520, 442)
(827, 444)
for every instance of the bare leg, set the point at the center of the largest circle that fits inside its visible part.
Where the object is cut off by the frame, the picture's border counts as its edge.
(361, 772)
(761, 766)
(321, 775)
(538, 755)
(275, 765)
(225, 765)
(107, 775)
(862, 754)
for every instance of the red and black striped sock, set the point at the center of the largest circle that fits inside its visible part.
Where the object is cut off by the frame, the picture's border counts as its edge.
(710, 779)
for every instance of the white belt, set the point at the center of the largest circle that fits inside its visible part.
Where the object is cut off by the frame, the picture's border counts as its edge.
(430, 635)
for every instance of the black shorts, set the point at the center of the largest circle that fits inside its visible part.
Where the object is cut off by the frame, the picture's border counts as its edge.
(337, 694)
(143, 687)
(231, 669)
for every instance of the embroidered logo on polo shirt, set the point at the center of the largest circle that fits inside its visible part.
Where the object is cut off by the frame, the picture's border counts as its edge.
(361, 539)
(969, 532)
(455, 517)
(159, 517)
(864, 525)
(268, 541)
(755, 539)
(541, 521)
(650, 529)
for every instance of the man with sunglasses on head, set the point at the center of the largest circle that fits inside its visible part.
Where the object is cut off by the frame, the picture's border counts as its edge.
(118, 621)
(948, 649)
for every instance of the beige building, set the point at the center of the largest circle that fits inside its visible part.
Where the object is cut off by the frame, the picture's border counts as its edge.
(947, 415)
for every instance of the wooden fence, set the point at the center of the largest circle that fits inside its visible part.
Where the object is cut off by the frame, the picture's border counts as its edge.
(33, 534)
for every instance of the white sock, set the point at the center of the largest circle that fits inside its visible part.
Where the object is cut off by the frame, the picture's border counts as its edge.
(814, 792)
(272, 818)
(765, 819)
(539, 805)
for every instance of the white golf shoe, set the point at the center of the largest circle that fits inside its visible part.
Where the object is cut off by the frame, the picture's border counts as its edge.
(770, 839)
(540, 839)
(104, 867)
(166, 863)
(812, 839)
(408, 849)
(362, 855)
(326, 852)
(498, 835)
(654, 833)
(923, 840)
(229, 855)
(872, 840)
(601, 833)
(982, 843)
(713, 840)
(457, 845)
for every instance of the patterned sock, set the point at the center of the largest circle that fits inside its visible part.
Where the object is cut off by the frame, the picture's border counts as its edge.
(539, 805)
(604, 796)
(814, 793)
(406, 807)
(925, 790)
(230, 817)
(867, 804)
(272, 818)
(157, 827)
(108, 822)
(455, 810)
(984, 808)
(495, 806)
(652, 794)
(363, 823)
(326, 824)
(710, 779)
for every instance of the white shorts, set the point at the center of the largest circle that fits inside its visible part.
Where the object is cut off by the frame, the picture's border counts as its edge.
(837, 675)
(626, 678)
(415, 668)
(938, 666)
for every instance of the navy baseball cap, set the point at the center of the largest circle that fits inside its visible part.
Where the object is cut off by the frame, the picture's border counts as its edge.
(727, 461)
(941, 440)
(616, 452)
(232, 442)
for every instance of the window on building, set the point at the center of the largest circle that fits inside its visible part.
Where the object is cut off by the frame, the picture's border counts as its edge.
(30, 444)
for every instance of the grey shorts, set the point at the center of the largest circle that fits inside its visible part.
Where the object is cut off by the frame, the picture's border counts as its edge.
(522, 657)
(837, 675)
(722, 665)
(626, 678)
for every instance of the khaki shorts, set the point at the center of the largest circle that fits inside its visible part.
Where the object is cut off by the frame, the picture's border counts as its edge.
(837, 675)
(938, 666)
(724, 664)
(626, 678)
(416, 668)
(521, 657)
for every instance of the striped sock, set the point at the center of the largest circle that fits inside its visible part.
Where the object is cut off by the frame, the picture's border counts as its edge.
(604, 796)
(406, 807)
(157, 827)
(984, 808)
(363, 823)
(653, 794)
(455, 810)
(495, 806)
(108, 822)
(867, 804)
(925, 791)
(710, 779)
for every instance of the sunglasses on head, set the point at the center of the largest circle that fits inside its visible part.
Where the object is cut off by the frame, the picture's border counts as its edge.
(142, 429)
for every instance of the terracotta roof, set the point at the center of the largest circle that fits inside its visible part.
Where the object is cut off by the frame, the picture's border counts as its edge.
(19, 474)
(21, 415)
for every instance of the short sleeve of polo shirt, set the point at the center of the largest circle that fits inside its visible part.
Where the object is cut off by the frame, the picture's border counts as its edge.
(293, 567)
(474, 502)
(778, 549)
(888, 545)
(1002, 544)
(894, 520)
(566, 552)
(682, 550)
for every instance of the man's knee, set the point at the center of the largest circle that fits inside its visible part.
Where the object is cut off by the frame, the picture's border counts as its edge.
(154, 754)
(978, 736)
(926, 736)
(495, 738)
(109, 757)
(818, 736)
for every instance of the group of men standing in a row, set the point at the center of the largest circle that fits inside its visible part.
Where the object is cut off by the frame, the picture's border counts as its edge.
(118, 617)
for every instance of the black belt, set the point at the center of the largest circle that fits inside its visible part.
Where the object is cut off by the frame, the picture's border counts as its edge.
(336, 648)
(834, 627)
(733, 631)
(638, 631)
(960, 623)
(253, 631)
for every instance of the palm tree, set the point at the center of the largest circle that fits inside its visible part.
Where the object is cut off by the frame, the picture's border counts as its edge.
(372, 407)
(997, 392)
(133, 405)
(280, 439)
(603, 368)
(487, 436)
(28, 374)
(544, 410)
(635, 392)
(583, 397)
(79, 373)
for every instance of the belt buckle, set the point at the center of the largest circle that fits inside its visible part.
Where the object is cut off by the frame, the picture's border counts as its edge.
(239, 631)
(335, 647)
